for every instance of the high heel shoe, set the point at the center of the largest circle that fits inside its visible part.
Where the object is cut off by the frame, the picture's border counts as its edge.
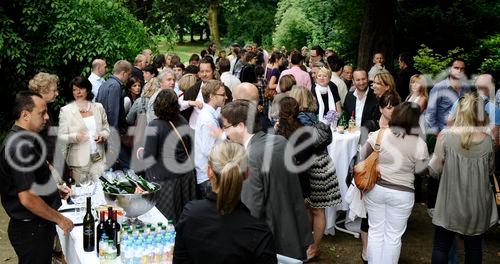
(362, 259)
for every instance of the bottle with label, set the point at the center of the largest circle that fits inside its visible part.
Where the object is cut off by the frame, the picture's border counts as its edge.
(108, 224)
(352, 122)
(115, 227)
(88, 229)
(100, 230)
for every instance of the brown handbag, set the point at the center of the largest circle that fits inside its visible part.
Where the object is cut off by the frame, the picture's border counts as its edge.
(366, 173)
(497, 190)
(269, 94)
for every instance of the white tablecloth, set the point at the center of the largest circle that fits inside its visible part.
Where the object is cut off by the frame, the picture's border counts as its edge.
(342, 150)
(72, 244)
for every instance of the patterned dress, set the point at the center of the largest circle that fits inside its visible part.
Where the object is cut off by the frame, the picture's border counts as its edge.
(324, 185)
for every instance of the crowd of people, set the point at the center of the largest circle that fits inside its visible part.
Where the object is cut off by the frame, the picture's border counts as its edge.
(239, 146)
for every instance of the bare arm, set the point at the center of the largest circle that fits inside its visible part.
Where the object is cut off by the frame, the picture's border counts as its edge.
(272, 83)
(37, 206)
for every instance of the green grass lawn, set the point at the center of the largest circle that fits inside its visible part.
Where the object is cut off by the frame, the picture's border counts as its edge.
(183, 50)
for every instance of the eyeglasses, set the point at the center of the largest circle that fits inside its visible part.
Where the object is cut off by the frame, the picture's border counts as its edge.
(228, 126)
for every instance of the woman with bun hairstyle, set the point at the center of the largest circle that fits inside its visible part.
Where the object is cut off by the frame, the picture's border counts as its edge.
(220, 229)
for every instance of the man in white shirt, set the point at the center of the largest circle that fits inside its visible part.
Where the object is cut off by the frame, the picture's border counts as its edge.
(337, 66)
(214, 96)
(226, 77)
(378, 64)
(362, 102)
(98, 70)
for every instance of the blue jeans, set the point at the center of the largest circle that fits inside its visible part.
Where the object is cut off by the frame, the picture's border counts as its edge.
(443, 240)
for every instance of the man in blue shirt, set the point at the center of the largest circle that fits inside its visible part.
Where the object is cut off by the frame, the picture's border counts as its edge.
(110, 92)
(443, 95)
(214, 96)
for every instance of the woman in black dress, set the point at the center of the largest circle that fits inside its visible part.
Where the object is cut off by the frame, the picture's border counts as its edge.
(220, 229)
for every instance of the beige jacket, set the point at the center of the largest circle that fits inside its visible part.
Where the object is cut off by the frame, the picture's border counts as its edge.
(70, 123)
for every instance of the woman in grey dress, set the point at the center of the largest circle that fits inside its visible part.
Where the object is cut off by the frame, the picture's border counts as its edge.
(463, 160)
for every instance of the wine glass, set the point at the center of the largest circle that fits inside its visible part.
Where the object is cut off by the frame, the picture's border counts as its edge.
(78, 197)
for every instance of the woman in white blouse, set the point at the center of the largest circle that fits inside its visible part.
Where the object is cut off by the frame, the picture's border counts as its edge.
(83, 128)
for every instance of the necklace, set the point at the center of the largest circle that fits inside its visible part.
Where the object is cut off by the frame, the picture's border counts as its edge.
(84, 109)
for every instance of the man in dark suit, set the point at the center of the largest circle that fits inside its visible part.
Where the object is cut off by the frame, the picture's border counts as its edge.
(407, 70)
(139, 64)
(206, 73)
(363, 102)
(272, 190)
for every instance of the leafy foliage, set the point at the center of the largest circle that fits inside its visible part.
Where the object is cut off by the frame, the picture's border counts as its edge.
(429, 62)
(490, 47)
(294, 30)
(329, 23)
(63, 37)
(253, 23)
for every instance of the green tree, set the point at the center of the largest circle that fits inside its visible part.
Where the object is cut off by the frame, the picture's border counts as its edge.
(252, 23)
(294, 30)
(63, 37)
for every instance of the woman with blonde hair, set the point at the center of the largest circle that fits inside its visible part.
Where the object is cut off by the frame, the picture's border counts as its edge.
(221, 218)
(46, 85)
(383, 82)
(186, 81)
(463, 161)
(326, 93)
(307, 105)
(418, 91)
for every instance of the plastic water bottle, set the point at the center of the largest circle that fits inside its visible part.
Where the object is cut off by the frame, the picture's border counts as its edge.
(137, 253)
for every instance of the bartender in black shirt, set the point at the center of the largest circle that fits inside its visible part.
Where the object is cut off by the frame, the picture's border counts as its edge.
(29, 194)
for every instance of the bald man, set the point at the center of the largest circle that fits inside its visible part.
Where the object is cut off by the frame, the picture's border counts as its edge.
(98, 70)
(246, 91)
(250, 92)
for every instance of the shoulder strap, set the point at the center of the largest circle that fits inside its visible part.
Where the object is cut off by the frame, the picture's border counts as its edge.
(180, 138)
(379, 139)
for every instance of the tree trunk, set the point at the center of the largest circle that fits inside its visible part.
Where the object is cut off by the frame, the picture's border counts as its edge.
(377, 33)
(191, 33)
(213, 10)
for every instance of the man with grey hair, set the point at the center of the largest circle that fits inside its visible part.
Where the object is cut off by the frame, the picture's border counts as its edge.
(96, 76)
(139, 64)
(110, 93)
(147, 53)
(167, 81)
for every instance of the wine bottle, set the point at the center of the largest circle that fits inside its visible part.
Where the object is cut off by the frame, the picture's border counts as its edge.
(145, 185)
(88, 228)
(101, 229)
(352, 122)
(109, 223)
(126, 186)
(115, 227)
(112, 187)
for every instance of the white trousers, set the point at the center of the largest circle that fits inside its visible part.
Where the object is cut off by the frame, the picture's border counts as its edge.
(388, 213)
